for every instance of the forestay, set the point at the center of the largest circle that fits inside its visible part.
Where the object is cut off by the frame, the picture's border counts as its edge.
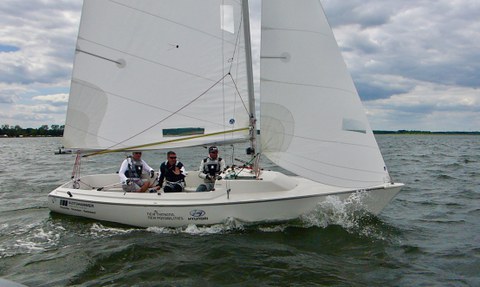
(145, 75)
(312, 120)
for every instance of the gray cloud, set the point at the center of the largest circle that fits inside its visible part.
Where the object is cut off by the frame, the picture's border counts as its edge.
(428, 41)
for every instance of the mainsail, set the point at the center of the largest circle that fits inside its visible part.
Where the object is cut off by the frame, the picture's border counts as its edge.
(145, 75)
(312, 121)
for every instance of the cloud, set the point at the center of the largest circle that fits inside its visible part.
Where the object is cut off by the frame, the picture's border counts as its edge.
(429, 107)
(42, 31)
(55, 100)
(429, 41)
(36, 50)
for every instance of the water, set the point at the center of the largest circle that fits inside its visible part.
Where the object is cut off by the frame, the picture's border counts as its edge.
(429, 235)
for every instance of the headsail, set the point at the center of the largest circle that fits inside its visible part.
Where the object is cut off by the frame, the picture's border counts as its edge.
(149, 72)
(312, 120)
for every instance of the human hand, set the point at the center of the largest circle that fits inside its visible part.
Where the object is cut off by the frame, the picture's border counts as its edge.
(128, 182)
(219, 177)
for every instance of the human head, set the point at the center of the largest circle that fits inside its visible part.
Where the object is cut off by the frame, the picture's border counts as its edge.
(136, 154)
(213, 152)
(171, 156)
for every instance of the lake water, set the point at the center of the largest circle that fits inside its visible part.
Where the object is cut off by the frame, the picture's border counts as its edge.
(429, 235)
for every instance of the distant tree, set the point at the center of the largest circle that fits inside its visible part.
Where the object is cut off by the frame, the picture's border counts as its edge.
(44, 130)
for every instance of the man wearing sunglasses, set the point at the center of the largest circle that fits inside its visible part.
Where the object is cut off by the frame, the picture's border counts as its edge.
(173, 172)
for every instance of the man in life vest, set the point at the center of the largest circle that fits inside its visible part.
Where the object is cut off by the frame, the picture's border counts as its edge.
(210, 170)
(173, 172)
(135, 174)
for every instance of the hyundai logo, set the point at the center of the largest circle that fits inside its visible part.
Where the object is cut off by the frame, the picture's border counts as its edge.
(197, 213)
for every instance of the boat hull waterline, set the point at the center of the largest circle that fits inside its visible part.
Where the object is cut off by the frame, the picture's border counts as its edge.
(277, 198)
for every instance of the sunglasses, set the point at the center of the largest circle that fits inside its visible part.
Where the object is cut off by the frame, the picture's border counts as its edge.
(172, 157)
(137, 153)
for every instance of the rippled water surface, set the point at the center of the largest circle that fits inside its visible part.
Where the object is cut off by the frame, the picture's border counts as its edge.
(429, 235)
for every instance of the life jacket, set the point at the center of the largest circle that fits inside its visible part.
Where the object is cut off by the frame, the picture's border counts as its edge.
(211, 167)
(168, 173)
(134, 170)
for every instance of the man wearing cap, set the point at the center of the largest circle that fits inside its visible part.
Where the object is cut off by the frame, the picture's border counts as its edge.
(131, 172)
(210, 169)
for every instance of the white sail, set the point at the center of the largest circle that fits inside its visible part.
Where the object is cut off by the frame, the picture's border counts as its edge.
(149, 72)
(312, 120)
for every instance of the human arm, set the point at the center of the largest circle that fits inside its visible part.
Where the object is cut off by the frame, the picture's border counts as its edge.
(222, 165)
(222, 169)
(161, 176)
(150, 170)
(201, 173)
(122, 170)
(180, 169)
(183, 170)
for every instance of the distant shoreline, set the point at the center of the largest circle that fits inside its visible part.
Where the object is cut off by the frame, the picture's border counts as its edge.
(406, 132)
(376, 132)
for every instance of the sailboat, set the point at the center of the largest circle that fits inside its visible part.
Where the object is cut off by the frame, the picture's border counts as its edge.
(166, 74)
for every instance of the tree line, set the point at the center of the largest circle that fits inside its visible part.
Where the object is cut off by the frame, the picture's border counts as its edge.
(43, 131)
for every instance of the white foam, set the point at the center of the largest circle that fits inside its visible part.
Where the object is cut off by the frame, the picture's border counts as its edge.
(273, 229)
(37, 240)
(97, 230)
(337, 212)
(229, 225)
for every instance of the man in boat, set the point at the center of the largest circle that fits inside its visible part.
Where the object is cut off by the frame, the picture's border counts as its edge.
(173, 173)
(135, 174)
(210, 170)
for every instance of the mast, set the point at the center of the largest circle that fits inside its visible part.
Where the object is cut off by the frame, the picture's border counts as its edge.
(251, 93)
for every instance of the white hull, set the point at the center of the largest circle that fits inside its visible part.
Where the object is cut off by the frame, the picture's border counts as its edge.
(276, 197)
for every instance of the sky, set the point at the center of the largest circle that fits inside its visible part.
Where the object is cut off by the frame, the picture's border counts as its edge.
(415, 63)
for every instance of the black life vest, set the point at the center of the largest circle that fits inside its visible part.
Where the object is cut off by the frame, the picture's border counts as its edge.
(167, 172)
(134, 170)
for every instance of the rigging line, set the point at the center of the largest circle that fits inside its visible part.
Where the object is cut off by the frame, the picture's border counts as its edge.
(237, 41)
(166, 142)
(239, 95)
(172, 114)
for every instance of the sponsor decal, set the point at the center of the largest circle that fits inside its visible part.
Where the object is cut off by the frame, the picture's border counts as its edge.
(197, 215)
(159, 215)
(77, 206)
